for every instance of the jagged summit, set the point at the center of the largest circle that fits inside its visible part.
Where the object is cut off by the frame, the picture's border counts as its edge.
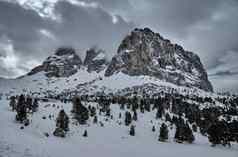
(95, 60)
(144, 52)
(63, 63)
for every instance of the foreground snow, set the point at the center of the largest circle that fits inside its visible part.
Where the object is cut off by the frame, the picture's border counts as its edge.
(110, 140)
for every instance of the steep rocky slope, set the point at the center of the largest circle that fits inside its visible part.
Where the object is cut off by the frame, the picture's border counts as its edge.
(144, 52)
(64, 63)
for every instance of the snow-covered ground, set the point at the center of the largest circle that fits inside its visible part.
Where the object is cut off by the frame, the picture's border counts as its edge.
(112, 140)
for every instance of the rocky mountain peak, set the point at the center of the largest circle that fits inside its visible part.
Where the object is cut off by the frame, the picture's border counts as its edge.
(95, 60)
(144, 52)
(63, 63)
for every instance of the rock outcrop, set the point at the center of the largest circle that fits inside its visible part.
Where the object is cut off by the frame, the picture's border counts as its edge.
(64, 63)
(144, 52)
(95, 60)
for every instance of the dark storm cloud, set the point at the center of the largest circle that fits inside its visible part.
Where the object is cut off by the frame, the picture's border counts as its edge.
(82, 26)
(20, 26)
(33, 37)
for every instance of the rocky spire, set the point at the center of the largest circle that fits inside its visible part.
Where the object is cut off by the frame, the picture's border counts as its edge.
(95, 60)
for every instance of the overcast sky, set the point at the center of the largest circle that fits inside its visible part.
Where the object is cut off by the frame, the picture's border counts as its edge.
(30, 30)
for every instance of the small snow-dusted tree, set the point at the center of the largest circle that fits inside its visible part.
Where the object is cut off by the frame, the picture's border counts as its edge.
(163, 136)
(135, 115)
(95, 119)
(153, 128)
(13, 103)
(29, 103)
(85, 134)
(159, 113)
(183, 132)
(188, 134)
(218, 133)
(128, 118)
(80, 112)
(62, 124)
(35, 105)
(21, 109)
(132, 130)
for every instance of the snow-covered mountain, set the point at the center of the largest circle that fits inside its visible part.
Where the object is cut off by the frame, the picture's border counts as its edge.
(145, 61)
(144, 52)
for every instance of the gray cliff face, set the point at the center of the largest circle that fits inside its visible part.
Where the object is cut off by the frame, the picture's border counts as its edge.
(64, 63)
(144, 52)
(95, 60)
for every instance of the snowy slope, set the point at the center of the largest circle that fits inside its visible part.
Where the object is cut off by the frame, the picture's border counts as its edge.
(91, 83)
(111, 140)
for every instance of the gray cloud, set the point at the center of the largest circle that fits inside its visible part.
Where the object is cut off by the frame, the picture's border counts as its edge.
(209, 28)
(33, 37)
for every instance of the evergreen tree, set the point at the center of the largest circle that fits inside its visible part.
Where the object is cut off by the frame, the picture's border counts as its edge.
(79, 111)
(62, 124)
(159, 113)
(120, 115)
(128, 118)
(62, 121)
(132, 130)
(135, 115)
(95, 120)
(85, 134)
(194, 127)
(188, 134)
(153, 128)
(29, 103)
(21, 109)
(168, 118)
(183, 132)
(35, 105)
(12, 103)
(163, 136)
(218, 133)
(142, 106)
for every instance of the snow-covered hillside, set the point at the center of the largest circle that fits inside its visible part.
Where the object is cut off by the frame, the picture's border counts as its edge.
(111, 140)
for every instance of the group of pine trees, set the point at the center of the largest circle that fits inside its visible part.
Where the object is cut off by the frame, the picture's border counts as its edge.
(23, 105)
(80, 113)
(174, 109)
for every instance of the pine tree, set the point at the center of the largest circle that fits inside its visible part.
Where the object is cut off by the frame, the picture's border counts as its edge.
(183, 132)
(132, 130)
(168, 118)
(95, 120)
(163, 136)
(120, 115)
(194, 127)
(218, 133)
(62, 124)
(12, 103)
(79, 111)
(159, 113)
(62, 121)
(85, 134)
(128, 118)
(21, 109)
(188, 134)
(29, 103)
(153, 128)
(35, 105)
(135, 116)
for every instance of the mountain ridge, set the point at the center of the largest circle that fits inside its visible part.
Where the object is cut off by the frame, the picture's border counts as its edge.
(136, 66)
